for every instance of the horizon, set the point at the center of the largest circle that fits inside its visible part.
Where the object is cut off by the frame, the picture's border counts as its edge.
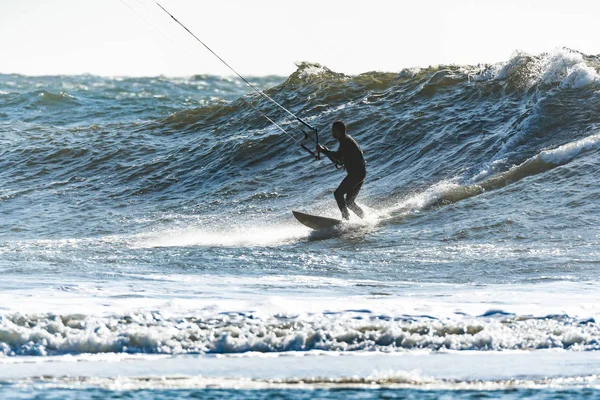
(233, 76)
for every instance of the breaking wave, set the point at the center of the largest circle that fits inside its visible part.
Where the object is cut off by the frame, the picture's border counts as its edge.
(153, 333)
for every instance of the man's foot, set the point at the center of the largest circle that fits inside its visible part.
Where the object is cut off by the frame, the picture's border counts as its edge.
(357, 210)
(345, 215)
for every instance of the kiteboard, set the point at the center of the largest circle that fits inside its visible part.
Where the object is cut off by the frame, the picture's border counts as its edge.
(315, 222)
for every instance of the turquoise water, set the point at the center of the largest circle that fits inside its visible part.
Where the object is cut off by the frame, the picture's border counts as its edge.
(146, 235)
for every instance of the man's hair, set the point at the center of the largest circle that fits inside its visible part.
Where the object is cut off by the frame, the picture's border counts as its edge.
(339, 126)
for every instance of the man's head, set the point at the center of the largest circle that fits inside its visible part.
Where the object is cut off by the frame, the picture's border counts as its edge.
(338, 129)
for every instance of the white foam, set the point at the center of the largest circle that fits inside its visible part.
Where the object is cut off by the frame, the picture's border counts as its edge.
(567, 152)
(420, 200)
(298, 323)
(242, 236)
(580, 75)
(567, 68)
(312, 70)
(561, 66)
(558, 156)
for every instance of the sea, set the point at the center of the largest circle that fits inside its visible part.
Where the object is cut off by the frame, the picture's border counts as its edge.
(148, 248)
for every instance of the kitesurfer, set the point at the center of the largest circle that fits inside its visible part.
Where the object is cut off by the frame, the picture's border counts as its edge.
(351, 157)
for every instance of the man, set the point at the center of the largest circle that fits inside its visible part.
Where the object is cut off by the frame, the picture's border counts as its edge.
(351, 157)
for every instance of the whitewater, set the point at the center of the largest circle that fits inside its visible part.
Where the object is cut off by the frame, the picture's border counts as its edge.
(148, 250)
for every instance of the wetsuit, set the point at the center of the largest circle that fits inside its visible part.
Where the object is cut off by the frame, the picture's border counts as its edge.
(351, 156)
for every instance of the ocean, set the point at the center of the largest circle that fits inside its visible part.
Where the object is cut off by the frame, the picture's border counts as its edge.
(148, 249)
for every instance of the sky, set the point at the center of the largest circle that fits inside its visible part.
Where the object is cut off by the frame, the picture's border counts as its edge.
(267, 37)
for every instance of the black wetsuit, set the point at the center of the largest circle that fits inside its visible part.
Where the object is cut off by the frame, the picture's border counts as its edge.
(351, 156)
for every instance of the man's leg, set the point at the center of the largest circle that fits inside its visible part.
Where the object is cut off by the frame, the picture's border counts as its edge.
(351, 196)
(339, 193)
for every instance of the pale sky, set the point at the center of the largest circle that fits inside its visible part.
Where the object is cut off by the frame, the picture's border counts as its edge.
(260, 37)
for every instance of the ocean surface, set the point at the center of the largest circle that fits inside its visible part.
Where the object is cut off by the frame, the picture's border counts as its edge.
(148, 250)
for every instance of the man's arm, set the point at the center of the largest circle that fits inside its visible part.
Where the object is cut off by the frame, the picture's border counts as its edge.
(334, 156)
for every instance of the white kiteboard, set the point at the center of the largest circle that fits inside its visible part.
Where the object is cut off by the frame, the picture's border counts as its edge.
(315, 222)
